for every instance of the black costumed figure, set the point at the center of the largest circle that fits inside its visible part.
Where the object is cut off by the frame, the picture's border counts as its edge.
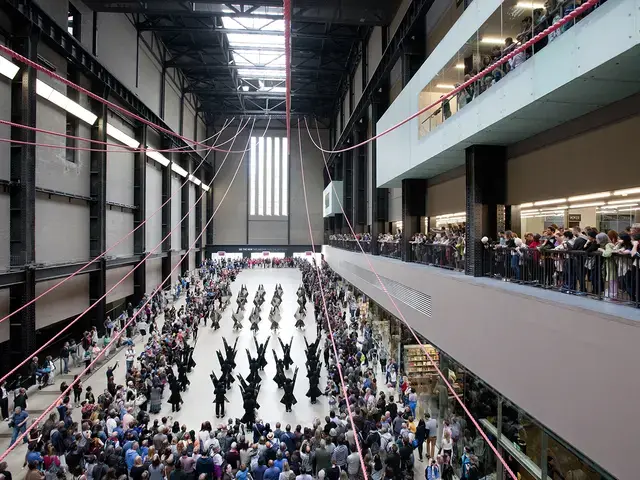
(219, 394)
(250, 400)
(254, 318)
(175, 399)
(226, 377)
(261, 348)
(300, 316)
(254, 369)
(288, 399)
(230, 352)
(286, 351)
(280, 376)
(313, 365)
(274, 318)
(237, 321)
(216, 316)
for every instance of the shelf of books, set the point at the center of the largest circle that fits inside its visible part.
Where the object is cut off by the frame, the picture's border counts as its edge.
(420, 371)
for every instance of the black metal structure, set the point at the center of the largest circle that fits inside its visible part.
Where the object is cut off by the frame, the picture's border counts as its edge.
(139, 214)
(327, 40)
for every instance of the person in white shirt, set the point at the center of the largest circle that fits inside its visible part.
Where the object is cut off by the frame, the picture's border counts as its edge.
(111, 423)
(129, 356)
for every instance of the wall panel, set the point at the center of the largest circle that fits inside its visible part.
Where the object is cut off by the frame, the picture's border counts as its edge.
(395, 205)
(124, 289)
(149, 79)
(4, 310)
(374, 50)
(5, 130)
(154, 273)
(176, 212)
(193, 196)
(172, 105)
(153, 196)
(62, 230)
(268, 232)
(119, 224)
(447, 197)
(188, 122)
(116, 47)
(4, 232)
(68, 300)
(120, 167)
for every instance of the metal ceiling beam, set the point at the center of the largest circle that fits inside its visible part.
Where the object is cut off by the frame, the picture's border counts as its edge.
(206, 94)
(200, 67)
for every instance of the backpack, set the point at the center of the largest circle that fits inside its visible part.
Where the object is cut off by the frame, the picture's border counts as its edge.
(52, 472)
(373, 441)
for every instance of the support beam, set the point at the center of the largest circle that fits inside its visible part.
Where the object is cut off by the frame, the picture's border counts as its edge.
(414, 207)
(486, 172)
(22, 204)
(166, 214)
(200, 245)
(360, 179)
(139, 215)
(347, 185)
(98, 210)
(185, 163)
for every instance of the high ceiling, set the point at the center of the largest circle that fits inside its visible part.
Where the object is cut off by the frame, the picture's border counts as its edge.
(233, 53)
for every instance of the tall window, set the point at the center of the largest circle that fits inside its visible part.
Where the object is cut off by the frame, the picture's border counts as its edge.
(73, 22)
(268, 188)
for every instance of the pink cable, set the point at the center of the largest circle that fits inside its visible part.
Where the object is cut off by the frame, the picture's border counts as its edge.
(431, 361)
(53, 287)
(98, 98)
(287, 53)
(21, 364)
(108, 346)
(490, 68)
(326, 314)
(123, 148)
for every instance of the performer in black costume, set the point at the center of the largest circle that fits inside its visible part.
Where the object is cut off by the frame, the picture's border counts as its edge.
(280, 376)
(250, 402)
(219, 392)
(314, 379)
(261, 348)
(227, 371)
(288, 399)
(286, 350)
(175, 399)
(300, 315)
(254, 367)
(230, 352)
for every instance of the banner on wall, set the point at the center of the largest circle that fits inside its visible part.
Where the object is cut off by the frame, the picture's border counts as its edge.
(265, 254)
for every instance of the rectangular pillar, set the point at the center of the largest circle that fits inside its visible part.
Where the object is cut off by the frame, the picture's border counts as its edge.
(98, 210)
(139, 215)
(185, 243)
(360, 179)
(486, 192)
(166, 216)
(210, 209)
(22, 205)
(414, 206)
(379, 196)
(199, 226)
(347, 185)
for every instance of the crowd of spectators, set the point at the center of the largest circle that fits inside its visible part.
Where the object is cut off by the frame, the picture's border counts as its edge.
(445, 248)
(576, 260)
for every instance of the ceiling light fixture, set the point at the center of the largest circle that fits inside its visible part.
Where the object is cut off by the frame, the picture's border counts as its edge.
(178, 169)
(57, 98)
(195, 180)
(492, 40)
(158, 157)
(590, 196)
(530, 5)
(526, 205)
(627, 191)
(626, 205)
(550, 202)
(460, 66)
(445, 85)
(585, 205)
(8, 68)
(627, 200)
(122, 137)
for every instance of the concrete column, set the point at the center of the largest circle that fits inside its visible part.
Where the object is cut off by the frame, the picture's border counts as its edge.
(414, 207)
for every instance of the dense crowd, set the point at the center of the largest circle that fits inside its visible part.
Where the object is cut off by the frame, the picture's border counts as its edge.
(110, 435)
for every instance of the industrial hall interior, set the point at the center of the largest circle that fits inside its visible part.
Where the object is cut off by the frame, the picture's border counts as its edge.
(319, 240)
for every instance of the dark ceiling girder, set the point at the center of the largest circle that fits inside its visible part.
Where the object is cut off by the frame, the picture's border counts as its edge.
(191, 67)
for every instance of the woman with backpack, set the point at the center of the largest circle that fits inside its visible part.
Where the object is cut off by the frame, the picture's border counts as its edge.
(51, 463)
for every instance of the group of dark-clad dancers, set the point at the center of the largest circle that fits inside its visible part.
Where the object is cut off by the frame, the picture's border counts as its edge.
(250, 386)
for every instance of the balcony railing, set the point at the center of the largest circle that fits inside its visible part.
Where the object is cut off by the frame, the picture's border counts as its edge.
(614, 278)
(437, 255)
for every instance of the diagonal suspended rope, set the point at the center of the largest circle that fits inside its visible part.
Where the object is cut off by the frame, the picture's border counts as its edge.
(424, 349)
(44, 414)
(21, 364)
(567, 18)
(93, 260)
(326, 313)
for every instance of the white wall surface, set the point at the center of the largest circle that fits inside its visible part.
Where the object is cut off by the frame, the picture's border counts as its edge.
(62, 230)
(176, 212)
(125, 288)
(69, 299)
(154, 273)
(120, 166)
(119, 224)
(153, 197)
(5, 130)
(374, 50)
(395, 205)
(4, 231)
(530, 83)
(192, 216)
(5, 327)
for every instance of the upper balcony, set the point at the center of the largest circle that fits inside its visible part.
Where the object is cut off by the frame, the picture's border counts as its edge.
(561, 78)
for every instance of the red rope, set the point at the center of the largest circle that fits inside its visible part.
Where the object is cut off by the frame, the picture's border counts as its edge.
(108, 346)
(326, 313)
(53, 287)
(21, 364)
(567, 18)
(430, 359)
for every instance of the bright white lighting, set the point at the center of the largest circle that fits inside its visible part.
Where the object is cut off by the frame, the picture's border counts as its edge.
(627, 191)
(194, 180)
(445, 85)
(526, 205)
(57, 98)
(525, 212)
(530, 5)
(585, 205)
(158, 157)
(493, 41)
(257, 73)
(245, 88)
(205, 187)
(550, 202)
(460, 66)
(179, 170)
(122, 137)
(449, 215)
(627, 200)
(8, 68)
(626, 205)
(590, 196)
